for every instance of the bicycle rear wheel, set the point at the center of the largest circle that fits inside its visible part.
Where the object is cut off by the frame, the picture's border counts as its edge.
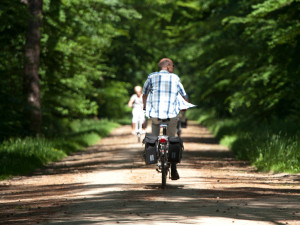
(163, 172)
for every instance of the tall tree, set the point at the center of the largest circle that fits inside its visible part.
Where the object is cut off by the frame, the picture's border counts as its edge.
(31, 67)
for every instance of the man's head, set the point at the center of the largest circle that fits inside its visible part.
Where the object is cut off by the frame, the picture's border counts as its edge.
(166, 64)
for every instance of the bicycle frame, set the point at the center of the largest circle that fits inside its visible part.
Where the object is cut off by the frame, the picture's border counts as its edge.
(163, 151)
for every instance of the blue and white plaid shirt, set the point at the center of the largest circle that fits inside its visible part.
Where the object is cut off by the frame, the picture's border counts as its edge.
(163, 89)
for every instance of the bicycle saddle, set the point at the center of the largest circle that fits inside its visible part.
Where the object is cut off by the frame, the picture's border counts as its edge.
(164, 120)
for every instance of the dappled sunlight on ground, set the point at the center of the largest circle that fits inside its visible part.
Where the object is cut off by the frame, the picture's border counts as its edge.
(109, 183)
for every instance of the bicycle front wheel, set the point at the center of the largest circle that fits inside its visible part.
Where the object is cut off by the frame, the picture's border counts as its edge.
(163, 172)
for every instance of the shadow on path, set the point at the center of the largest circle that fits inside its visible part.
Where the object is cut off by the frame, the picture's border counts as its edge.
(214, 186)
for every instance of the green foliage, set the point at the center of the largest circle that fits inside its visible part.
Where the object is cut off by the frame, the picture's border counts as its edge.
(12, 42)
(79, 134)
(236, 59)
(272, 146)
(111, 101)
(21, 156)
(77, 39)
(236, 54)
(78, 61)
(279, 153)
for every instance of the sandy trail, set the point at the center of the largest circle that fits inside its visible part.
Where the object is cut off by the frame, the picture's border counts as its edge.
(109, 184)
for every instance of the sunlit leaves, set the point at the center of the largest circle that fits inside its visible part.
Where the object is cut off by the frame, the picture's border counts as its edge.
(286, 35)
(83, 32)
(236, 54)
(239, 57)
(268, 6)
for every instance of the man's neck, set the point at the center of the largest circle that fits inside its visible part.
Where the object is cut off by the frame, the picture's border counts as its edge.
(165, 70)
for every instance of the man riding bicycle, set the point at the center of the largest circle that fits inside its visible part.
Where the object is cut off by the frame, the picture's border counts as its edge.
(160, 100)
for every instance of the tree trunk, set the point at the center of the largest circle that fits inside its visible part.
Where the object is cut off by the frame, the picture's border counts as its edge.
(31, 67)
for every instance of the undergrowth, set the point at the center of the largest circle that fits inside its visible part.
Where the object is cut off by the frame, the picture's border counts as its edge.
(270, 146)
(20, 156)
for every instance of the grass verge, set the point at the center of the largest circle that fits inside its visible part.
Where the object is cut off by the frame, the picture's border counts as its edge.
(22, 156)
(272, 146)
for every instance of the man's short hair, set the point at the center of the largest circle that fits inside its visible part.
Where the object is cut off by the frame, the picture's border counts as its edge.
(164, 62)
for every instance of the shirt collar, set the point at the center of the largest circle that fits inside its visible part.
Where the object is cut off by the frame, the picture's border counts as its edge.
(164, 71)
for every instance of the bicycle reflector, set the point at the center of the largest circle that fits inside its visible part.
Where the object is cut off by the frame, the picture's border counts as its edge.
(162, 140)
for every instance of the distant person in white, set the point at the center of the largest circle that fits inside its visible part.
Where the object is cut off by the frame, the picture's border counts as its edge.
(136, 102)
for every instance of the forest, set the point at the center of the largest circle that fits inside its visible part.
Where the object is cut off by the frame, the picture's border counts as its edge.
(68, 69)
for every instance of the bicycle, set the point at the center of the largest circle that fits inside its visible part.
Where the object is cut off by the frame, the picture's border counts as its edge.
(163, 152)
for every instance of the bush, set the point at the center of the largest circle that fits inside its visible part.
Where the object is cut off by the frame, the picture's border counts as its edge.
(272, 145)
(21, 156)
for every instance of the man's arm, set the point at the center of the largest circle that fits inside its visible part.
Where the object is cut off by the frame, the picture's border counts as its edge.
(144, 100)
(182, 91)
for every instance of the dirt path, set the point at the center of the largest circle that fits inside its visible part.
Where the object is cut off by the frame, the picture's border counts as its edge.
(109, 184)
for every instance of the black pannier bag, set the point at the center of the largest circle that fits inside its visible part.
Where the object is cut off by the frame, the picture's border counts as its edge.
(150, 149)
(175, 149)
